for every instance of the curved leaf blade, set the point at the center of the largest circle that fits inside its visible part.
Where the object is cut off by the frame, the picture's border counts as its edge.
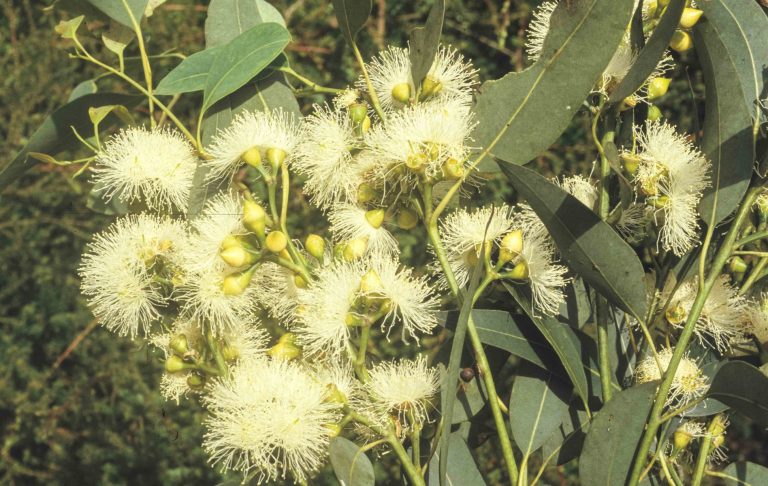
(350, 464)
(745, 474)
(425, 41)
(744, 388)
(352, 16)
(229, 18)
(190, 75)
(522, 114)
(611, 442)
(116, 10)
(587, 244)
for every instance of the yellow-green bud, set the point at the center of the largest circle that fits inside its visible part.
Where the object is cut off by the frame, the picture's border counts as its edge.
(512, 243)
(254, 217)
(453, 169)
(276, 157)
(690, 17)
(737, 265)
(230, 241)
(676, 315)
(365, 193)
(430, 87)
(375, 217)
(174, 364)
(658, 87)
(402, 92)
(627, 103)
(355, 249)
(371, 282)
(252, 157)
(179, 344)
(718, 441)
(718, 425)
(195, 381)
(276, 241)
(299, 282)
(520, 272)
(654, 113)
(237, 256)
(315, 245)
(353, 319)
(681, 41)
(236, 283)
(285, 348)
(358, 112)
(659, 202)
(416, 162)
(366, 125)
(230, 353)
(631, 163)
(334, 430)
(334, 395)
(681, 439)
(407, 219)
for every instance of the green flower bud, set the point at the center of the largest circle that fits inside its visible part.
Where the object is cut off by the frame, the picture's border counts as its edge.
(334, 395)
(407, 219)
(195, 381)
(254, 217)
(285, 348)
(416, 162)
(402, 92)
(365, 193)
(430, 87)
(676, 315)
(658, 87)
(511, 246)
(315, 245)
(737, 265)
(276, 241)
(237, 256)
(230, 241)
(276, 157)
(453, 169)
(654, 113)
(230, 353)
(355, 249)
(371, 282)
(718, 441)
(375, 217)
(681, 41)
(681, 439)
(358, 112)
(520, 272)
(175, 364)
(179, 344)
(690, 17)
(718, 425)
(252, 157)
(236, 283)
(631, 163)
(299, 282)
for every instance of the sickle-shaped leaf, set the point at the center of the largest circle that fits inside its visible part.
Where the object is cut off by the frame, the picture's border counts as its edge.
(733, 49)
(648, 58)
(522, 114)
(350, 464)
(118, 9)
(560, 337)
(352, 15)
(613, 436)
(424, 43)
(190, 75)
(744, 388)
(540, 403)
(587, 244)
(242, 59)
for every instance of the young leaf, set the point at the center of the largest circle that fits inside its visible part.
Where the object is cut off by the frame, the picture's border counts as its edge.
(243, 58)
(424, 42)
(744, 388)
(82, 89)
(560, 337)
(460, 468)
(117, 38)
(587, 244)
(68, 28)
(350, 464)
(649, 56)
(122, 10)
(613, 436)
(352, 15)
(190, 75)
(229, 18)
(55, 133)
(97, 114)
(745, 474)
(540, 403)
(521, 114)
(732, 48)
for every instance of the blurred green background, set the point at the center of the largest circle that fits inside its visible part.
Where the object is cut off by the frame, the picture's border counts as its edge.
(80, 406)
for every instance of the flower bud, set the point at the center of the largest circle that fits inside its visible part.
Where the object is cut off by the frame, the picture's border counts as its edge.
(276, 157)
(681, 41)
(430, 87)
(179, 344)
(236, 283)
(276, 241)
(631, 163)
(252, 157)
(334, 430)
(659, 202)
(658, 87)
(230, 241)
(237, 256)
(407, 219)
(681, 439)
(230, 353)
(355, 249)
(299, 282)
(453, 169)
(174, 364)
(520, 272)
(737, 265)
(285, 348)
(365, 126)
(511, 245)
(254, 217)
(402, 92)
(334, 395)
(315, 245)
(375, 217)
(371, 282)
(718, 441)
(718, 425)
(195, 381)
(353, 319)
(654, 113)
(690, 17)
(416, 162)
(358, 112)
(365, 193)
(676, 314)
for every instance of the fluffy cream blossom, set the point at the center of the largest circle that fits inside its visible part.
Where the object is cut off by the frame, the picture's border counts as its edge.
(125, 271)
(270, 418)
(723, 319)
(688, 384)
(401, 388)
(538, 28)
(257, 130)
(581, 188)
(351, 222)
(672, 175)
(156, 166)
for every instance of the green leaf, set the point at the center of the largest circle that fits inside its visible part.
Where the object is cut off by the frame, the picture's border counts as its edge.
(82, 89)
(461, 469)
(97, 114)
(587, 244)
(649, 56)
(118, 10)
(613, 436)
(424, 42)
(67, 29)
(560, 337)
(117, 38)
(567, 441)
(540, 403)
(745, 474)
(242, 59)
(55, 133)
(352, 15)
(731, 43)
(350, 464)
(190, 75)
(229, 18)
(744, 388)
(523, 113)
